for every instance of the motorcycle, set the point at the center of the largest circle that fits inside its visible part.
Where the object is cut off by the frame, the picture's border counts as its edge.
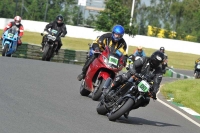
(9, 42)
(106, 65)
(131, 95)
(51, 44)
(197, 71)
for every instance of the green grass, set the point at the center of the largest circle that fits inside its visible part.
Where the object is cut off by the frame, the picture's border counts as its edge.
(186, 92)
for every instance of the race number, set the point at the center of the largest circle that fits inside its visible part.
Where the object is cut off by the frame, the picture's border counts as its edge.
(143, 86)
(113, 60)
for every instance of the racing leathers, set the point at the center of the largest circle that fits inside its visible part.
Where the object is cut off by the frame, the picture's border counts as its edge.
(99, 44)
(141, 66)
(60, 28)
(20, 31)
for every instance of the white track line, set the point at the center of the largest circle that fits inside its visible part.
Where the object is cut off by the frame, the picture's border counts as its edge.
(179, 112)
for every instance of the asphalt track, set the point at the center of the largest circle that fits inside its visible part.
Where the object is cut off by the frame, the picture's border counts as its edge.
(43, 97)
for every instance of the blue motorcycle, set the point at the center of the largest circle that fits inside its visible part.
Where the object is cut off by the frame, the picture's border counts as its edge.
(9, 42)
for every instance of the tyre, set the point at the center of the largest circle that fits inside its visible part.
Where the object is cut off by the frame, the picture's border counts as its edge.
(83, 91)
(5, 50)
(101, 109)
(47, 53)
(96, 94)
(118, 111)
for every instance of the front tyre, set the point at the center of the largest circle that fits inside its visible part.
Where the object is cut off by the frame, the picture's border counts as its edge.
(121, 109)
(46, 54)
(83, 91)
(96, 94)
(5, 50)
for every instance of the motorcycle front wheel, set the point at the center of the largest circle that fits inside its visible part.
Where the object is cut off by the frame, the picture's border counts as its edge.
(96, 94)
(47, 53)
(121, 109)
(5, 50)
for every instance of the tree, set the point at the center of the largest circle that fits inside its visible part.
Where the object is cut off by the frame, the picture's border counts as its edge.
(115, 13)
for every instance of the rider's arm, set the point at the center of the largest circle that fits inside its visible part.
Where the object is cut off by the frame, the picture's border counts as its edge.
(143, 53)
(50, 25)
(122, 46)
(102, 37)
(21, 31)
(7, 26)
(64, 29)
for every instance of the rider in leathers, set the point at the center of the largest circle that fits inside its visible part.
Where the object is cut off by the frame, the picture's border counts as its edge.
(58, 25)
(114, 40)
(150, 66)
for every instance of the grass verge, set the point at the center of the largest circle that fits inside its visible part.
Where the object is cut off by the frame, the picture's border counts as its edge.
(186, 92)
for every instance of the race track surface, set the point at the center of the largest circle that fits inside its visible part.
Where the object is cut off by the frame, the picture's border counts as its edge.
(43, 97)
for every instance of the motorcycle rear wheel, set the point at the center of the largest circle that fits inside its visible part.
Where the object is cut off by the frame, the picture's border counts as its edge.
(101, 109)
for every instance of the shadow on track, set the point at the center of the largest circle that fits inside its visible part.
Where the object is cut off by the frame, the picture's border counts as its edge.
(141, 121)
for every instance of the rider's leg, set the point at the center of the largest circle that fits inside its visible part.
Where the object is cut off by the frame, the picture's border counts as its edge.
(85, 67)
(59, 46)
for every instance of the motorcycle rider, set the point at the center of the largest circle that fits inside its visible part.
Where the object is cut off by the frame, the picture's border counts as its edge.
(58, 25)
(150, 66)
(114, 40)
(164, 65)
(139, 52)
(17, 23)
(196, 63)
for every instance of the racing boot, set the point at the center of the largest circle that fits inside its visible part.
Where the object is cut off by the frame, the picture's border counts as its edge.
(81, 76)
(85, 67)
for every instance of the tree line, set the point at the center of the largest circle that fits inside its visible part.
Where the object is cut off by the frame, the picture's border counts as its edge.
(179, 16)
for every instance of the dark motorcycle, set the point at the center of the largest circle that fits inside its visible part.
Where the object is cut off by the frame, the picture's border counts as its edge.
(51, 44)
(133, 94)
(197, 71)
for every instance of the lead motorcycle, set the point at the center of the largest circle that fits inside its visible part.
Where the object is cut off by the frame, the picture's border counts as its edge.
(133, 94)
(197, 71)
(9, 42)
(51, 44)
(106, 65)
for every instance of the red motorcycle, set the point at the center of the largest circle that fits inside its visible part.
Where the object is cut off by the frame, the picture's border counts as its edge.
(106, 65)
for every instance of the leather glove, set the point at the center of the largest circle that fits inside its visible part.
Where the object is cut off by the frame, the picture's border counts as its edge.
(62, 35)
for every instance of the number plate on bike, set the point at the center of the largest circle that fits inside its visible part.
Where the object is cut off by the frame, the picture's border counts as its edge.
(143, 86)
(53, 38)
(198, 66)
(54, 31)
(10, 35)
(113, 60)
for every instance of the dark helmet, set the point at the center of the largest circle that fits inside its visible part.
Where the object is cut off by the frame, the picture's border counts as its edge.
(59, 19)
(156, 59)
(117, 29)
(162, 49)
